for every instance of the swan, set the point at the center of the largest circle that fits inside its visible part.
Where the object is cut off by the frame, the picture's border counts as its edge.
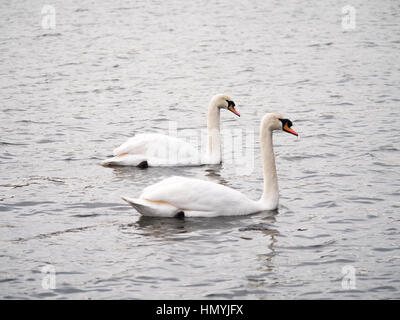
(157, 150)
(177, 196)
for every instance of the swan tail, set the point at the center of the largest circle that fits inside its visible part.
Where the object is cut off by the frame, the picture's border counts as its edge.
(153, 209)
(125, 160)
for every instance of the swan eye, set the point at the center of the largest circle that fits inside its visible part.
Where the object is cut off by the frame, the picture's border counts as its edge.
(230, 103)
(286, 121)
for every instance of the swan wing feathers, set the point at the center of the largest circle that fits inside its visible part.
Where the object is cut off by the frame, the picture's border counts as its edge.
(188, 194)
(156, 145)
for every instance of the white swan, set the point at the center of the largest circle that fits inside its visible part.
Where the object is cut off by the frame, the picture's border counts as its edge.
(161, 150)
(198, 198)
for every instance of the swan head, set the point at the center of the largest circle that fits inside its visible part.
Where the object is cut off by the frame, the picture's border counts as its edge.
(223, 101)
(276, 121)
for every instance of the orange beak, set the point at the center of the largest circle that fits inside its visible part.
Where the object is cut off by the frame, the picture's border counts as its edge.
(287, 129)
(231, 108)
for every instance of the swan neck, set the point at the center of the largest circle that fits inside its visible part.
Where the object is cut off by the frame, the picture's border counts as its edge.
(213, 134)
(270, 195)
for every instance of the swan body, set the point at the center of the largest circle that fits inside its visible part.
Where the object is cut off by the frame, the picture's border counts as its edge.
(162, 150)
(155, 150)
(198, 198)
(194, 197)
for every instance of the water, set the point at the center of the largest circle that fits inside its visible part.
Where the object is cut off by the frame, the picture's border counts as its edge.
(112, 69)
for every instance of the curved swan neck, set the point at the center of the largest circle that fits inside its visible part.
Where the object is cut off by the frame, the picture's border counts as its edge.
(270, 195)
(213, 134)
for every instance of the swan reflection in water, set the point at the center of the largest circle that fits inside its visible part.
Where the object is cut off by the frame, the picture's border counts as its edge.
(169, 228)
(211, 231)
(213, 172)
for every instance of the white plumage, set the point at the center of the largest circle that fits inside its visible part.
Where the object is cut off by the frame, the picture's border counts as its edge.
(193, 197)
(156, 149)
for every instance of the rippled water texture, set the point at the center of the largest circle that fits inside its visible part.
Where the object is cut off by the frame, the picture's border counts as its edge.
(111, 69)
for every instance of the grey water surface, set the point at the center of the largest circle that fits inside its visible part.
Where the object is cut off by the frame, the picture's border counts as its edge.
(111, 69)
